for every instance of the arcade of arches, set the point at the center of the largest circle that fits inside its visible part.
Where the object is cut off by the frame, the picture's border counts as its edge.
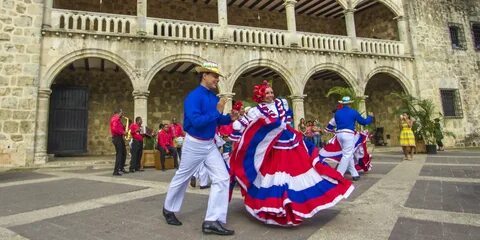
(108, 88)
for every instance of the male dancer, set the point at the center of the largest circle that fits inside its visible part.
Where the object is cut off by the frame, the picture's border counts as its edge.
(202, 113)
(345, 119)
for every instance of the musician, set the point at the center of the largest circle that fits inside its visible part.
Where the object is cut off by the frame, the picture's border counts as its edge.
(118, 131)
(178, 134)
(165, 145)
(137, 145)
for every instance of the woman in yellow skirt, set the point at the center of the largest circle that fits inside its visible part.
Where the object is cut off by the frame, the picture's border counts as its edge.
(407, 139)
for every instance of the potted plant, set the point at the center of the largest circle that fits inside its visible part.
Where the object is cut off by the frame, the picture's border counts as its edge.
(423, 112)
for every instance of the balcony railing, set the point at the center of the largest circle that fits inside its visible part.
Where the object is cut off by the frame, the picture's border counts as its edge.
(257, 36)
(382, 47)
(324, 42)
(186, 30)
(93, 22)
(169, 28)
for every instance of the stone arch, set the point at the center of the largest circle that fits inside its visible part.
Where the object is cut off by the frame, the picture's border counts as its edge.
(343, 3)
(344, 73)
(280, 69)
(395, 73)
(48, 78)
(169, 60)
(390, 4)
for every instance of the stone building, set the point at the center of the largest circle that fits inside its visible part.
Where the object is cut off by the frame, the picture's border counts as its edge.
(65, 65)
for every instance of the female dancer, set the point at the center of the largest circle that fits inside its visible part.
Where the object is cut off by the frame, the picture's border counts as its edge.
(281, 177)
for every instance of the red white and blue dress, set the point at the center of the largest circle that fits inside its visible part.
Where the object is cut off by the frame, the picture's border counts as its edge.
(281, 176)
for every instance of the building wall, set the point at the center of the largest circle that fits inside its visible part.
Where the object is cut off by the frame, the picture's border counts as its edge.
(376, 22)
(440, 66)
(107, 90)
(20, 23)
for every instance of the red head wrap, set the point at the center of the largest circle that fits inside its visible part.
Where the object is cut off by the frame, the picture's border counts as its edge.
(259, 91)
(237, 106)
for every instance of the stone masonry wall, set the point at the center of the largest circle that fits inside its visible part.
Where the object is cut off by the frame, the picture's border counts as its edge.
(20, 22)
(107, 91)
(376, 22)
(441, 66)
(384, 106)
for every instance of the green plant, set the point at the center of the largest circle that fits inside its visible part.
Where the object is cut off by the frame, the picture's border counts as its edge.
(345, 91)
(423, 112)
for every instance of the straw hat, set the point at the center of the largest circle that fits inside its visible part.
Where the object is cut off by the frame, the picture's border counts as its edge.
(209, 67)
(346, 100)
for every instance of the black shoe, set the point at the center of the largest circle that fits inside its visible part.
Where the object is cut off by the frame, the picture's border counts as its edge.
(117, 174)
(131, 170)
(356, 178)
(215, 227)
(193, 182)
(171, 218)
(204, 187)
(123, 171)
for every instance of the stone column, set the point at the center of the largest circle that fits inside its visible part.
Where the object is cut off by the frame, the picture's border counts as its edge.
(140, 105)
(223, 20)
(291, 23)
(47, 13)
(41, 129)
(297, 107)
(350, 24)
(142, 17)
(402, 33)
(228, 106)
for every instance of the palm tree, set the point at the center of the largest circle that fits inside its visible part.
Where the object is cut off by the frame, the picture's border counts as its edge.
(346, 91)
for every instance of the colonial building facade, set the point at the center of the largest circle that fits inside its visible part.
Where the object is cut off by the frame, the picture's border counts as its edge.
(66, 65)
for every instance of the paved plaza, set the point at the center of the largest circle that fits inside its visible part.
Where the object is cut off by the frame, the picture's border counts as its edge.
(432, 197)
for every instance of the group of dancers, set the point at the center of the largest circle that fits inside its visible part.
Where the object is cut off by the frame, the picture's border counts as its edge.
(283, 178)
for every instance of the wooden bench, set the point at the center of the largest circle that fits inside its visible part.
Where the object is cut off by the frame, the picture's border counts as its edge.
(151, 158)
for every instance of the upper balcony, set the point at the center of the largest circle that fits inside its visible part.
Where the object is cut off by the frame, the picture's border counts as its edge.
(323, 25)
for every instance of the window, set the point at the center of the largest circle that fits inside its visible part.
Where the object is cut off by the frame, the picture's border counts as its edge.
(452, 106)
(457, 36)
(476, 35)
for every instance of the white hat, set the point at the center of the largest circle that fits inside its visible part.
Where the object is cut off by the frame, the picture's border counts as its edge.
(346, 100)
(210, 67)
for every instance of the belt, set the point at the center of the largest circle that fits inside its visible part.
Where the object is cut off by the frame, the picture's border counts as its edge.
(198, 138)
(345, 131)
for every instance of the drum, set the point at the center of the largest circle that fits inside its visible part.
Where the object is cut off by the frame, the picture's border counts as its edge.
(178, 141)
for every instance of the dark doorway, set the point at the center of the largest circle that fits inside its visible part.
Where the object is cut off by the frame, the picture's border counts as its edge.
(68, 120)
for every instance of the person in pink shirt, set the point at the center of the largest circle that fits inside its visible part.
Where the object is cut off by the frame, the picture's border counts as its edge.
(165, 145)
(137, 145)
(118, 131)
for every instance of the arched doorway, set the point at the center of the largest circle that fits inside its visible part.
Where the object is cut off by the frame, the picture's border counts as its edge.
(84, 96)
(384, 105)
(168, 89)
(243, 87)
(317, 105)
(374, 19)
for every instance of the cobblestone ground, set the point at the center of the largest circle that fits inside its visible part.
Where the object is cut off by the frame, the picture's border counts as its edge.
(432, 197)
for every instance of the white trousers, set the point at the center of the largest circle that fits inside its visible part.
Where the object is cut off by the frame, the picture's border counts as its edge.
(196, 153)
(347, 142)
(202, 175)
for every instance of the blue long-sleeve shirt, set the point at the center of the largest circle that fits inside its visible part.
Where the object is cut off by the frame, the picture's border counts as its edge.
(346, 117)
(201, 116)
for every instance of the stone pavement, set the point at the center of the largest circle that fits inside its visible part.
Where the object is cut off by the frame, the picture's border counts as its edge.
(432, 197)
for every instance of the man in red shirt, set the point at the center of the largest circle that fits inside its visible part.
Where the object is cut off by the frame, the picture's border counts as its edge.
(137, 145)
(118, 131)
(177, 131)
(165, 145)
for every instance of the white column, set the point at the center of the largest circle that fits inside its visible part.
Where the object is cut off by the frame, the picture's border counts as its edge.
(222, 20)
(141, 17)
(402, 33)
(298, 108)
(229, 97)
(141, 105)
(350, 24)
(47, 13)
(41, 128)
(291, 23)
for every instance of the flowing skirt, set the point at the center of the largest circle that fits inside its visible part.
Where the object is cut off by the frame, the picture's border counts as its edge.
(363, 159)
(281, 177)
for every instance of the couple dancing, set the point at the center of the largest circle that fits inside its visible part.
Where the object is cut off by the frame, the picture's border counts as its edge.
(281, 176)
